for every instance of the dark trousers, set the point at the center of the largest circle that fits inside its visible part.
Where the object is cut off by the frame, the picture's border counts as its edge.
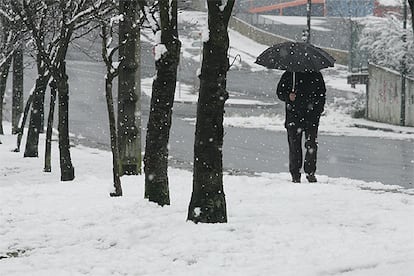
(295, 150)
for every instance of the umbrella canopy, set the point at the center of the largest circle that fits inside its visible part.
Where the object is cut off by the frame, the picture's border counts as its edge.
(295, 57)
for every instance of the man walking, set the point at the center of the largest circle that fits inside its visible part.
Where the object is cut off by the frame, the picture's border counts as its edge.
(304, 94)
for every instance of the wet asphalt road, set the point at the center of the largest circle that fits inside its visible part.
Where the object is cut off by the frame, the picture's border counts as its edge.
(245, 151)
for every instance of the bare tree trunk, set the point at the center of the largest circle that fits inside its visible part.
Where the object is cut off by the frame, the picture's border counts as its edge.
(17, 99)
(114, 139)
(20, 130)
(4, 73)
(112, 72)
(42, 112)
(162, 100)
(129, 83)
(411, 3)
(67, 171)
(158, 128)
(32, 141)
(208, 202)
(48, 147)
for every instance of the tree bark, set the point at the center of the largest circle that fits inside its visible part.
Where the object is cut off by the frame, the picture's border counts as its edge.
(114, 139)
(32, 141)
(208, 204)
(67, 172)
(48, 146)
(411, 4)
(17, 98)
(20, 130)
(4, 72)
(42, 112)
(129, 83)
(162, 100)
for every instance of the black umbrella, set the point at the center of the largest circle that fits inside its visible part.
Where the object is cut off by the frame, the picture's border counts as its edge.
(295, 57)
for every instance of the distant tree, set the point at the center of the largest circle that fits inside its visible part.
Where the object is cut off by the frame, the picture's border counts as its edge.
(167, 55)
(382, 39)
(48, 142)
(17, 96)
(208, 202)
(411, 4)
(35, 124)
(4, 72)
(10, 38)
(20, 129)
(14, 19)
(68, 19)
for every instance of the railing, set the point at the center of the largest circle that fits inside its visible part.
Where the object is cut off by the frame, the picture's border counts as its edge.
(284, 5)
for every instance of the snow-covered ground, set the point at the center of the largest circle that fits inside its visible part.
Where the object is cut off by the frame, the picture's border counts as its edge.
(297, 20)
(338, 226)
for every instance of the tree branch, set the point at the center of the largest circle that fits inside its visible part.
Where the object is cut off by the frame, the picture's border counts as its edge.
(27, 18)
(227, 11)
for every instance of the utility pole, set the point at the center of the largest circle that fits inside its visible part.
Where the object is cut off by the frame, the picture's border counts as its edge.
(350, 59)
(308, 13)
(403, 65)
(129, 89)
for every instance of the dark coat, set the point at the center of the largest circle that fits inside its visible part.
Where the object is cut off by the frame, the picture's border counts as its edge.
(308, 106)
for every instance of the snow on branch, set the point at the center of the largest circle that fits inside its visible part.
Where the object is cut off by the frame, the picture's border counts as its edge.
(116, 19)
(86, 12)
(152, 18)
(6, 15)
(159, 50)
(383, 40)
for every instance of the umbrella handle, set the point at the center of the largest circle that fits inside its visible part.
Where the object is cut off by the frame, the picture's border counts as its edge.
(293, 97)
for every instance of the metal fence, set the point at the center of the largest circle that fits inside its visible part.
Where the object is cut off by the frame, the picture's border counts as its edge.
(337, 8)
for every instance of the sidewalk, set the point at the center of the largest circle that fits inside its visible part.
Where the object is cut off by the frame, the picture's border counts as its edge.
(188, 94)
(338, 226)
(371, 125)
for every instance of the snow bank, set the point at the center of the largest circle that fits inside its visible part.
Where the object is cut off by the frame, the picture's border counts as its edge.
(335, 227)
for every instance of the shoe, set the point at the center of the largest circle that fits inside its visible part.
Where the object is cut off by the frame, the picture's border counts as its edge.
(296, 178)
(311, 178)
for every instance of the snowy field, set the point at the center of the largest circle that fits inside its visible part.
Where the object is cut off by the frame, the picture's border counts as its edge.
(337, 226)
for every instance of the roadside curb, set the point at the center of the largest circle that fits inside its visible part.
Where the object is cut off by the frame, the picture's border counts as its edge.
(236, 105)
(384, 128)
